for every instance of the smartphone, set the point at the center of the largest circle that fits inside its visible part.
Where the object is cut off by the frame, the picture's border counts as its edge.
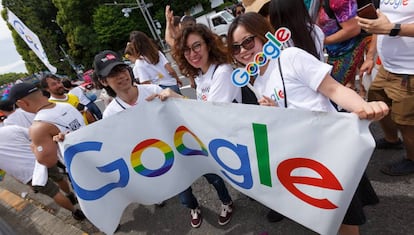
(368, 11)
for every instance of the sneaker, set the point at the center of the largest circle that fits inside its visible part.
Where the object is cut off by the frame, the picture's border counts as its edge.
(78, 215)
(196, 217)
(72, 198)
(403, 167)
(384, 144)
(225, 213)
(273, 217)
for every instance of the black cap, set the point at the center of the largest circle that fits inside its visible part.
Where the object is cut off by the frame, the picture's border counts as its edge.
(105, 61)
(21, 90)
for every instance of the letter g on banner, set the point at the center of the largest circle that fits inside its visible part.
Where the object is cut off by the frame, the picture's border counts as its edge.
(118, 164)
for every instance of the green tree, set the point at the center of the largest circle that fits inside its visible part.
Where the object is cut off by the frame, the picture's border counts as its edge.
(37, 16)
(11, 77)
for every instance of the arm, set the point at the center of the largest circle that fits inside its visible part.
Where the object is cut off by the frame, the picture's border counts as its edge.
(382, 25)
(172, 72)
(369, 61)
(349, 29)
(351, 101)
(43, 146)
(164, 94)
(170, 33)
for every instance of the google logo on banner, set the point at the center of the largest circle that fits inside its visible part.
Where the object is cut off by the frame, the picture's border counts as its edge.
(271, 50)
(242, 175)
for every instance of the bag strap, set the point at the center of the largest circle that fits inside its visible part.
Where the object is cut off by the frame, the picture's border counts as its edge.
(283, 82)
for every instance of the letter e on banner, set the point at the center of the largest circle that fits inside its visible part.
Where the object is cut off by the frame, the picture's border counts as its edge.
(327, 180)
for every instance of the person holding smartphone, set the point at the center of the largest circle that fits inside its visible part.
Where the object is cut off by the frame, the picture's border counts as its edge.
(394, 82)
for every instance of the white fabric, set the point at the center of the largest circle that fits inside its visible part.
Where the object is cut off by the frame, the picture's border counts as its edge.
(144, 91)
(20, 118)
(80, 93)
(153, 151)
(16, 156)
(64, 116)
(397, 53)
(157, 73)
(302, 74)
(40, 174)
(216, 85)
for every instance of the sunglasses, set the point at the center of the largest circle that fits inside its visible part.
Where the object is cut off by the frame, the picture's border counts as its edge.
(247, 44)
(196, 47)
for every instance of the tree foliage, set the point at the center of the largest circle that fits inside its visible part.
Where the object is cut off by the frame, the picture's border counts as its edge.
(83, 27)
(11, 77)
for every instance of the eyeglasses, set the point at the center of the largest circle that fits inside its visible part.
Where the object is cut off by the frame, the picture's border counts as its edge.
(247, 44)
(196, 48)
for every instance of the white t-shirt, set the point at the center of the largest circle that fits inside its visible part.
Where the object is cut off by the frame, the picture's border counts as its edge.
(16, 156)
(397, 53)
(64, 116)
(216, 85)
(79, 92)
(118, 105)
(303, 74)
(157, 73)
(20, 118)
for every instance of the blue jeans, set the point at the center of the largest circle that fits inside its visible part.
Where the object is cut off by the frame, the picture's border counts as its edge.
(173, 87)
(94, 109)
(188, 199)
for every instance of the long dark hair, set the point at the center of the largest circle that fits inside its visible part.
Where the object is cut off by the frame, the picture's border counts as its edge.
(293, 15)
(217, 51)
(144, 46)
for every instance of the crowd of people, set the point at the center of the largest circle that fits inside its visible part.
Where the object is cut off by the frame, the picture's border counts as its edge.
(302, 76)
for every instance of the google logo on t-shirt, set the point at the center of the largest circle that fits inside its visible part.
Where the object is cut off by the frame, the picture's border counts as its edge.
(271, 50)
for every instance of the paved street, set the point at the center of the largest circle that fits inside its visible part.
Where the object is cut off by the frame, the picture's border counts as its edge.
(393, 215)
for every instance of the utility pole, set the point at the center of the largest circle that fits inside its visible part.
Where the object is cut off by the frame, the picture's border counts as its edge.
(77, 70)
(150, 22)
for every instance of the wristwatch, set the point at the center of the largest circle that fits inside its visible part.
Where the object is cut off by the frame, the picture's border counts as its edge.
(395, 31)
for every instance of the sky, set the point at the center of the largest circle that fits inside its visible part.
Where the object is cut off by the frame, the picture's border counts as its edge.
(10, 61)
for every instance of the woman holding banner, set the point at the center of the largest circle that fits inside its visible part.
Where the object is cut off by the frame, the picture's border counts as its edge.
(203, 57)
(297, 79)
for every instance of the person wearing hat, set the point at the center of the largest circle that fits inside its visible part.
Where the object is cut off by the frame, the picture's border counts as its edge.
(116, 78)
(50, 120)
(17, 159)
(258, 6)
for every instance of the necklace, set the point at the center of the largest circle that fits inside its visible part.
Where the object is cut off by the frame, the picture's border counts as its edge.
(44, 106)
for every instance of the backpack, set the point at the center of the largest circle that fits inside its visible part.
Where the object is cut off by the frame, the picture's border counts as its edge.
(360, 4)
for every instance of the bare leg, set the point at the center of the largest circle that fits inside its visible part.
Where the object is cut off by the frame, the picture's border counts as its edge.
(348, 229)
(63, 201)
(64, 185)
(407, 133)
(390, 129)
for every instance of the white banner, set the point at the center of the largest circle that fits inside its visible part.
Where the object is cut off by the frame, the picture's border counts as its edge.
(30, 38)
(305, 165)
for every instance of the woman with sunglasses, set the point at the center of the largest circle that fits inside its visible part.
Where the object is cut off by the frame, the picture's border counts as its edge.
(201, 55)
(299, 80)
